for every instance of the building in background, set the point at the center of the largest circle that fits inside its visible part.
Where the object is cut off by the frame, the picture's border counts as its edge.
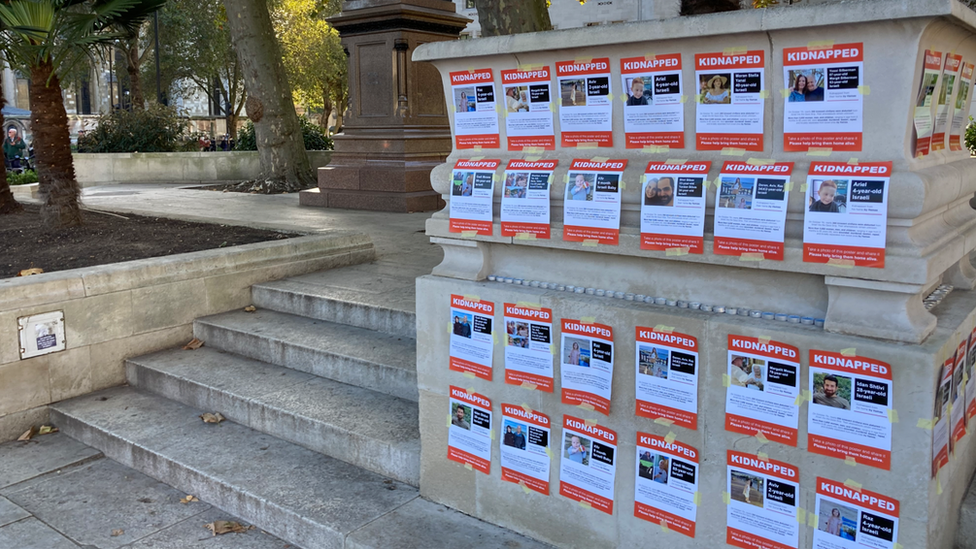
(567, 14)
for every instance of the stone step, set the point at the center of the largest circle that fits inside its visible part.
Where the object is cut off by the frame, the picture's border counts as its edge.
(304, 497)
(372, 430)
(372, 360)
(376, 297)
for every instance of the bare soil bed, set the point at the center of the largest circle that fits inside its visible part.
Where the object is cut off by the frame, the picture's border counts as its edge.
(26, 243)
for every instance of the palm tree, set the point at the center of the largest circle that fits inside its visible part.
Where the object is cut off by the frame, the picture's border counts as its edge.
(8, 204)
(48, 37)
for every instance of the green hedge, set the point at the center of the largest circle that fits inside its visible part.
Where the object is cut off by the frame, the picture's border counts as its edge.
(156, 129)
(315, 138)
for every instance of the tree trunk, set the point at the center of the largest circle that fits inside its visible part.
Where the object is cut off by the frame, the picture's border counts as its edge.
(326, 110)
(7, 202)
(58, 187)
(281, 146)
(340, 109)
(132, 68)
(498, 17)
(232, 125)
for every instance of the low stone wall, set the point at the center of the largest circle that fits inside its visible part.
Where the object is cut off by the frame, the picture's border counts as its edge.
(114, 312)
(183, 167)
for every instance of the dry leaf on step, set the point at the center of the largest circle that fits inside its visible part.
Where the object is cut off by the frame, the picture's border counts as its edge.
(117, 532)
(47, 430)
(31, 271)
(250, 309)
(188, 499)
(29, 434)
(193, 345)
(224, 526)
(212, 418)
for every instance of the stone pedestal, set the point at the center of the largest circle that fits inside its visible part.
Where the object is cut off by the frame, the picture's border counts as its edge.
(931, 235)
(396, 129)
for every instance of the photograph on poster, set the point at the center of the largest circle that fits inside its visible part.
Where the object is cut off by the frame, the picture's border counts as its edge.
(463, 184)
(747, 488)
(518, 333)
(838, 520)
(806, 85)
(653, 362)
(573, 91)
(580, 186)
(654, 467)
(828, 195)
(832, 390)
(516, 184)
(514, 434)
(462, 324)
(715, 88)
(659, 192)
(464, 99)
(963, 95)
(748, 372)
(736, 193)
(461, 416)
(576, 351)
(577, 449)
(927, 90)
(639, 89)
(517, 98)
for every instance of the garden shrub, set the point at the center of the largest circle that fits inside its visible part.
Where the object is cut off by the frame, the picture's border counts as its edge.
(315, 138)
(156, 129)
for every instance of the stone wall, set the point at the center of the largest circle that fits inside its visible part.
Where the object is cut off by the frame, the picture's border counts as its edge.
(182, 167)
(114, 312)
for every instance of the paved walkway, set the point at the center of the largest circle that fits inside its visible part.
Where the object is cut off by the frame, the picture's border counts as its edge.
(57, 493)
(399, 237)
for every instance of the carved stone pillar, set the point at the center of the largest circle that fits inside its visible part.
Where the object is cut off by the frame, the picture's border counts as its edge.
(397, 128)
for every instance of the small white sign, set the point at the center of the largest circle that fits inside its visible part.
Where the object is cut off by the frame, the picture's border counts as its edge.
(41, 334)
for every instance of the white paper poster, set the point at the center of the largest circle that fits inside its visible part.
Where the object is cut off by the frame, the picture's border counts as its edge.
(763, 498)
(944, 104)
(472, 195)
(854, 519)
(469, 430)
(528, 108)
(586, 354)
(525, 447)
(730, 106)
(763, 384)
(940, 429)
(588, 465)
(666, 483)
(654, 113)
(673, 206)
(591, 210)
(475, 109)
(849, 416)
(472, 339)
(960, 107)
(931, 70)
(957, 416)
(585, 109)
(525, 200)
(846, 218)
(970, 380)
(750, 209)
(528, 347)
(667, 376)
(823, 100)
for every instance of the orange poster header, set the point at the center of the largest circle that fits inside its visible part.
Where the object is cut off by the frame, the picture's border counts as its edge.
(480, 76)
(658, 63)
(821, 56)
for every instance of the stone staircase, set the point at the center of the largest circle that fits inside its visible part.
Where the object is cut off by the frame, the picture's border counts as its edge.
(319, 387)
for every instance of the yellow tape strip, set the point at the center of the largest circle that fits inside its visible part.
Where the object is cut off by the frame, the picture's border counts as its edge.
(472, 297)
(760, 161)
(580, 60)
(736, 50)
(733, 151)
(477, 148)
(764, 94)
(529, 68)
(788, 187)
(529, 386)
(669, 438)
(820, 45)
(726, 497)
(525, 236)
(752, 256)
(587, 319)
(671, 252)
(585, 505)
(525, 488)
(726, 380)
(804, 187)
(850, 351)
(591, 242)
(801, 515)
(589, 422)
(449, 420)
(764, 339)
(469, 234)
(468, 467)
(864, 90)
(527, 408)
(893, 415)
(819, 151)
(599, 159)
(469, 375)
(812, 520)
(649, 57)
(761, 438)
(676, 161)
(664, 526)
(697, 498)
(842, 263)
(664, 421)
(852, 160)
(528, 305)
(927, 424)
(587, 145)
(684, 99)
(849, 460)
(586, 406)
(763, 456)
(549, 452)
(664, 329)
(856, 486)
(656, 149)
(785, 92)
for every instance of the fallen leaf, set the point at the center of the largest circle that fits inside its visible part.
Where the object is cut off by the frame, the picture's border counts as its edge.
(219, 527)
(31, 271)
(188, 499)
(212, 418)
(29, 434)
(250, 309)
(47, 429)
(193, 345)
(117, 532)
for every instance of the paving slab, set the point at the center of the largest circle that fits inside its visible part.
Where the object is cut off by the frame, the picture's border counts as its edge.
(42, 454)
(33, 534)
(10, 512)
(87, 503)
(192, 534)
